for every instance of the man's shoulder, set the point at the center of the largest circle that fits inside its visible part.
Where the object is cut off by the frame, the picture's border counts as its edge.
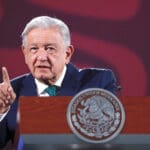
(22, 81)
(21, 77)
(95, 74)
(90, 72)
(19, 80)
(95, 71)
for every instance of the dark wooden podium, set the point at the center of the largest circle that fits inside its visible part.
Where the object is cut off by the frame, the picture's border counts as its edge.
(43, 121)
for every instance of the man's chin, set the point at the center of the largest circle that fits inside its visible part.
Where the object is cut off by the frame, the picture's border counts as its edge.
(46, 79)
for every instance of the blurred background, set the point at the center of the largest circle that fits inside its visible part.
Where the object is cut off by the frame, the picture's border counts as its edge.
(105, 33)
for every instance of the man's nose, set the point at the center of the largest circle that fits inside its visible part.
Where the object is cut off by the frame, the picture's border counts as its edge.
(42, 55)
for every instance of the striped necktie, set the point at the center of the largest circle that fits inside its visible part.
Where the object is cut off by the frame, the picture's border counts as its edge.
(51, 90)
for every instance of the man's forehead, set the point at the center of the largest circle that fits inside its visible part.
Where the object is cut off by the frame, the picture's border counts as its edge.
(42, 44)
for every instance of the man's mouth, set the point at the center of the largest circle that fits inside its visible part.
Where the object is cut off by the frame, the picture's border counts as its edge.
(43, 67)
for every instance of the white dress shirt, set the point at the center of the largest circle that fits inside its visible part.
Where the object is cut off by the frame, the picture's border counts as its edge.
(41, 88)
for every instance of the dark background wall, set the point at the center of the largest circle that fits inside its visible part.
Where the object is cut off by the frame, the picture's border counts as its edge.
(112, 34)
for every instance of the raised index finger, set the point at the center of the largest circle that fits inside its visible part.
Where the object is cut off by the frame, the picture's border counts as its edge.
(5, 75)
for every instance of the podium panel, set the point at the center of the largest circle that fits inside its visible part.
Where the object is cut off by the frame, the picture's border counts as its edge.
(43, 121)
(43, 115)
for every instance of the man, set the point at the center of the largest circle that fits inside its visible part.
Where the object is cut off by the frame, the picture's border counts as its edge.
(47, 49)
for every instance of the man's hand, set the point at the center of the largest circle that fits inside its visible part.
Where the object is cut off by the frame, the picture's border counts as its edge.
(7, 94)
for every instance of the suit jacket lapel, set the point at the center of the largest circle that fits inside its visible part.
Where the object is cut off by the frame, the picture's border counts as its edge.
(71, 83)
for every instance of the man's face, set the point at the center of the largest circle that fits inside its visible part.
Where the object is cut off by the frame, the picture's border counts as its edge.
(45, 54)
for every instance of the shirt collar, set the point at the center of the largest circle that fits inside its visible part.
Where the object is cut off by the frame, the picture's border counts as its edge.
(41, 86)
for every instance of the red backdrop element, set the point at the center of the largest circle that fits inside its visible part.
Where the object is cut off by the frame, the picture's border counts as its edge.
(1, 11)
(112, 34)
(116, 9)
(14, 61)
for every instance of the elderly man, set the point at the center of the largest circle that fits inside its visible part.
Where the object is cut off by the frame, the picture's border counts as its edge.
(47, 49)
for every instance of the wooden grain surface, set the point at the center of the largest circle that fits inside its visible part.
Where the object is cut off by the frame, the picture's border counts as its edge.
(48, 115)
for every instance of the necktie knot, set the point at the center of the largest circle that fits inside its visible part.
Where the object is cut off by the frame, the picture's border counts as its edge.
(51, 90)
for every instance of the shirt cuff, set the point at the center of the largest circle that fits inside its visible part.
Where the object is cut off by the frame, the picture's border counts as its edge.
(2, 116)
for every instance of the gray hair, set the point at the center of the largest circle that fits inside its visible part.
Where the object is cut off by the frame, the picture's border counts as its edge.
(47, 22)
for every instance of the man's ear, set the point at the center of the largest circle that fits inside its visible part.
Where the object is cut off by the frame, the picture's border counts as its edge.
(69, 53)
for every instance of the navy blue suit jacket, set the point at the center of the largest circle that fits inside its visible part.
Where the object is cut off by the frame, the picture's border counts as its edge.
(75, 81)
